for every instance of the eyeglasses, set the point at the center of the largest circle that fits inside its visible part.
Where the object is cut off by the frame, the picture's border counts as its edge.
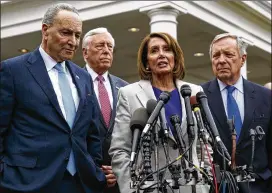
(101, 46)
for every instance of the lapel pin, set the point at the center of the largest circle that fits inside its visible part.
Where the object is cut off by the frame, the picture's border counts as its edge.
(117, 87)
(77, 76)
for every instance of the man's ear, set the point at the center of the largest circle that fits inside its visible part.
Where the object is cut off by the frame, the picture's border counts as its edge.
(243, 59)
(84, 52)
(45, 28)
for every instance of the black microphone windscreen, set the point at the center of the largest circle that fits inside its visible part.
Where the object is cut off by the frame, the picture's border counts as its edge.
(164, 96)
(139, 119)
(200, 95)
(151, 105)
(185, 90)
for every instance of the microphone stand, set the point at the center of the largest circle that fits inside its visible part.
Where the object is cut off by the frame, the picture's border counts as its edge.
(191, 173)
(202, 136)
(156, 152)
(252, 132)
(244, 173)
(164, 134)
(233, 138)
(146, 143)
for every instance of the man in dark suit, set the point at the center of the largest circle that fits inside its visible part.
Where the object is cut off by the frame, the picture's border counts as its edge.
(232, 96)
(97, 47)
(49, 138)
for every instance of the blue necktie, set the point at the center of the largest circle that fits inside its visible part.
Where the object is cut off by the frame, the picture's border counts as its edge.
(233, 110)
(69, 107)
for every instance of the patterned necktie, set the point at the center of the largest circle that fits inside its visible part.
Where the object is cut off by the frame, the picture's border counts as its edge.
(104, 100)
(69, 107)
(233, 110)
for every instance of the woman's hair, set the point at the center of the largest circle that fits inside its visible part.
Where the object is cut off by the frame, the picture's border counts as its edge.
(179, 67)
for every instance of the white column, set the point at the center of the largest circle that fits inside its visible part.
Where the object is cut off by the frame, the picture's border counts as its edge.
(164, 20)
(244, 67)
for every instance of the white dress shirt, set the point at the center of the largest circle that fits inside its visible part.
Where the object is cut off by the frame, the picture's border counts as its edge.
(95, 83)
(238, 95)
(53, 75)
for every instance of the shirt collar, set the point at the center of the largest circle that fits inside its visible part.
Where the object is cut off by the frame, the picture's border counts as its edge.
(49, 61)
(94, 74)
(238, 85)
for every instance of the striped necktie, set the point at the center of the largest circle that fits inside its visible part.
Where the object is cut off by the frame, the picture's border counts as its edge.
(104, 100)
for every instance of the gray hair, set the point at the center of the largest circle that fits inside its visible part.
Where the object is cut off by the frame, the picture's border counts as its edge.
(89, 34)
(240, 43)
(52, 11)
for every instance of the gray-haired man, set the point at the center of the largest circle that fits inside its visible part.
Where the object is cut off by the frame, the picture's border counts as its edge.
(49, 138)
(232, 96)
(97, 47)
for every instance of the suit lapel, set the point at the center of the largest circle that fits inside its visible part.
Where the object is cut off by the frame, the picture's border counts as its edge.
(250, 104)
(80, 89)
(146, 94)
(216, 104)
(114, 88)
(38, 70)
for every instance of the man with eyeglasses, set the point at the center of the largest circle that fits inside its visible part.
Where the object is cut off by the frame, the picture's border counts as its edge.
(97, 48)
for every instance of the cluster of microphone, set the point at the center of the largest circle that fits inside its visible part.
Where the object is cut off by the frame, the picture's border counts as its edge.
(198, 114)
(144, 119)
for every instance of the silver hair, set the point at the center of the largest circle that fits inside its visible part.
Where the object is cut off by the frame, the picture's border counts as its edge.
(88, 36)
(240, 43)
(52, 11)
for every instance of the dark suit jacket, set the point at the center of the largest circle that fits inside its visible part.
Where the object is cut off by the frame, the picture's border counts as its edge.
(35, 139)
(257, 102)
(105, 133)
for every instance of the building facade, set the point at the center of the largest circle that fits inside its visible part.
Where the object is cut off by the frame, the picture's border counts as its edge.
(193, 23)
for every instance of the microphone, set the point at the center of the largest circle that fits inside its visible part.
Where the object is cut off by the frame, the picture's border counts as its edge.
(175, 121)
(193, 102)
(151, 105)
(186, 91)
(199, 120)
(203, 134)
(137, 123)
(163, 99)
(164, 123)
(203, 101)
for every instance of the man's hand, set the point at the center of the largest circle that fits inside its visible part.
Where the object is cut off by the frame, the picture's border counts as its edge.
(111, 178)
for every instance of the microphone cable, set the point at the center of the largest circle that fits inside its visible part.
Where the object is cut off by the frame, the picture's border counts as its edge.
(206, 175)
(214, 145)
(230, 181)
(167, 165)
(213, 172)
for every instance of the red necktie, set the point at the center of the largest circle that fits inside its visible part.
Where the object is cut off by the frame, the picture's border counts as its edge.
(104, 100)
